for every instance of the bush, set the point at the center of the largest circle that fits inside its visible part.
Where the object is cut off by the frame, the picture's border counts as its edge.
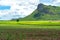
(17, 20)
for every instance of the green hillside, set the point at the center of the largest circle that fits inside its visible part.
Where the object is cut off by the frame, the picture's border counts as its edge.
(44, 12)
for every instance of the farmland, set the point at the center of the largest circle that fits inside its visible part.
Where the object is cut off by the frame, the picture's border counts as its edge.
(30, 34)
(29, 24)
(30, 30)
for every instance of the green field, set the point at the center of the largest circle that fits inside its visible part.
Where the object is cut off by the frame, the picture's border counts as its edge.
(30, 30)
(29, 24)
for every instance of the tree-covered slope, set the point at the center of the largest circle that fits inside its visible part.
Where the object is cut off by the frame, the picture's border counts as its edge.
(44, 12)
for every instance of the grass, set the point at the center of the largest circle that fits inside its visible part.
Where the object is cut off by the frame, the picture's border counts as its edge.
(43, 23)
(29, 24)
(29, 30)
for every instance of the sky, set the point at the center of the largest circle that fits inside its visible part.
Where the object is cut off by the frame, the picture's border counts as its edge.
(12, 9)
(50, 2)
(4, 7)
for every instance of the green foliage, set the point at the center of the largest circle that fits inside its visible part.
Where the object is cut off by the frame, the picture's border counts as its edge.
(17, 20)
(44, 12)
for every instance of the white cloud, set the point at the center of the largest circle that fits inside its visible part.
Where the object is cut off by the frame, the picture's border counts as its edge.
(51, 2)
(18, 7)
(56, 2)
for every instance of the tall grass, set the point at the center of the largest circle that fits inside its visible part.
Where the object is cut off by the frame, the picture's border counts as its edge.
(29, 24)
(42, 23)
(47, 23)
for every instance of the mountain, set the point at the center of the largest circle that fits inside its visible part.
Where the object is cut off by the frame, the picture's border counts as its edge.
(44, 12)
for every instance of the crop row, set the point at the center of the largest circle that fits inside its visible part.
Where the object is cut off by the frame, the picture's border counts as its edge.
(30, 35)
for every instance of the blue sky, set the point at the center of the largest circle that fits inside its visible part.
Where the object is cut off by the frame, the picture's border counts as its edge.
(4, 7)
(46, 1)
(50, 2)
(16, 8)
(10, 9)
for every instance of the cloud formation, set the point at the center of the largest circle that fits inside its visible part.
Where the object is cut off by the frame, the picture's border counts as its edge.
(51, 2)
(22, 8)
(19, 8)
(56, 2)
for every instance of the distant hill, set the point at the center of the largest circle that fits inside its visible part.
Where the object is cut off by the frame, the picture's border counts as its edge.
(44, 12)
